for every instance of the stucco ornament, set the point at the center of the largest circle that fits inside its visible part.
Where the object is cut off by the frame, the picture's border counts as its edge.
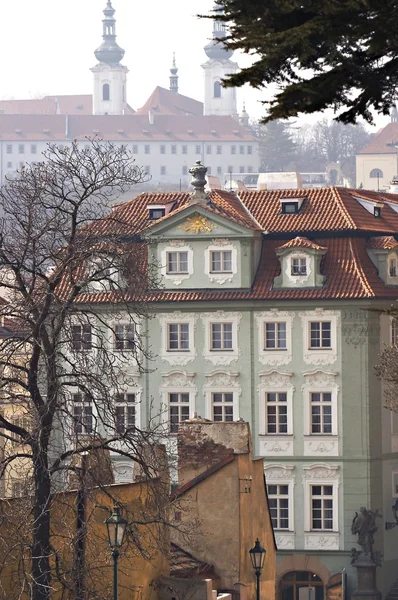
(197, 224)
(364, 526)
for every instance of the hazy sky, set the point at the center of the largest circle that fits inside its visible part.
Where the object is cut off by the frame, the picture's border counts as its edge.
(47, 47)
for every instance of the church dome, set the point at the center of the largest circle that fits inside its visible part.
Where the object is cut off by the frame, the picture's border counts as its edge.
(109, 52)
(216, 50)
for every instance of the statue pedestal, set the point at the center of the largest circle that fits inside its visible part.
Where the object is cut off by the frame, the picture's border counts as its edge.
(366, 579)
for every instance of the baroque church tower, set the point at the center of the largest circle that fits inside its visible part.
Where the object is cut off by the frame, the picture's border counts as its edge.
(219, 100)
(110, 76)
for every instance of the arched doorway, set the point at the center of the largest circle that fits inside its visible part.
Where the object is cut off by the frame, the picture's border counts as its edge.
(301, 585)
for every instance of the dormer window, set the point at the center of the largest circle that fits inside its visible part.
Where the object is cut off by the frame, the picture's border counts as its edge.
(392, 267)
(291, 206)
(177, 262)
(156, 212)
(299, 266)
(221, 261)
(377, 209)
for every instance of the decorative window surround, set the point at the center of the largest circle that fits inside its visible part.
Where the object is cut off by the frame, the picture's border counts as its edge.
(320, 444)
(123, 471)
(221, 357)
(321, 474)
(177, 382)
(216, 245)
(319, 356)
(275, 444)
(275, 357)
(177, 357)
(282, 474)
(133, 388)
(221, 381)
(312, 276)
(299, 280)
(176, 246)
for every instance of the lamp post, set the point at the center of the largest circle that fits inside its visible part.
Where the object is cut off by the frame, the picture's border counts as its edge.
(116, 527)
(257, 556)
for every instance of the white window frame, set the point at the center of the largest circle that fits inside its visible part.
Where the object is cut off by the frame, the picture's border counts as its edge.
(177, 382)
(276, 325)
(179, 327)
(221, 382)
(226, 336)
(222, 252)
(321, 323)
(178, 253)
(321, 474)
(125, 339)
(301, 267)
(274, 356)
(278, 403)
(125, 403)
(223, 405)
(275, 382)
(322, 497)
(177, 278)
(221, 357)
(180, 405)
(302, 279)
(320, 356)
(283, 474)
(177, 357)
(221, 277)
(394, 330)
(82, 403)
(278, 496)
(321, 403)
(392, 267)
(82, 334)
(323, 382)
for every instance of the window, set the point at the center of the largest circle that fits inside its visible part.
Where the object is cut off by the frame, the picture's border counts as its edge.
(23, 421)
(163, 170)
(198, 149)
(219, 170)
(321, 507)
(178, 410)
(185, 150)
(219, 149)
(125, 412)
(392, 267)
(299, 266)
(217, 89)
(9, 148)
(162, 149)
(177, 262)
(230, 169)
(156, 213)
(9, 165)
(233, 149)
(174, 149)
(278, 499)
(177, 336)
(135, 149)
(320, 334)
(81, 337)
(241, 149)
(33, 149)
(221, 261)
(250, 169)
(185, 170)
(21, 149)
(147, 149)
(223, 406)
(124, 336)
(394, 332)
(208, 149)
(275, 336)
(276, 414)
(209, 170)
(106, 92)
(148, 170)
(82, 414)
(376, 173)
(221, 336)
(321, 412)
(241, 169)
(289, 208)
(250, 149)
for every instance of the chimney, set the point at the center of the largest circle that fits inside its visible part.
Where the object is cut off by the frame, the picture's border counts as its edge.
(151, 117)
(198, 172)
(203, 444)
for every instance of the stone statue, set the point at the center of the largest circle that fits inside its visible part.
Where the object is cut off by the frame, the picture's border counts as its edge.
(364, 526)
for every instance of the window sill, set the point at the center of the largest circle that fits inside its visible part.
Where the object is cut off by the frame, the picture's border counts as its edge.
(221, 273)
(179, 351)
(221, 351)
(324, 348)
(173, 273)
(275, 350)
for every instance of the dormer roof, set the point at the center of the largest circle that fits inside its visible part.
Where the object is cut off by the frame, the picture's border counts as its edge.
(301, 242)
(382, 243)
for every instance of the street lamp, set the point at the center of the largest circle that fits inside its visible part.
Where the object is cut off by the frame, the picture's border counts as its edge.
(116, 527)
(257, 556)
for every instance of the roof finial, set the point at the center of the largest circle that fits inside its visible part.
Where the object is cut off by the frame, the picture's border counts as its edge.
(109, 52)
(174, 76)
(198, 172)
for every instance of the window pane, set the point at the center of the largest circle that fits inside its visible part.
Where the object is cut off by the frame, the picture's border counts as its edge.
(326, 334)
(281, 335)
(270, 338)
(315, 339)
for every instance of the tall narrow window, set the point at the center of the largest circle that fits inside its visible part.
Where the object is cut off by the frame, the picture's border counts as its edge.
(221, 336)
(217, 89)
(82, 414)
(124, 336)
(125, 412)
(106, 92)
(278, 498)
(392, 267)
(322, 507)
(321, 412)
(81, 337)
(275, 336)
(276, 413)
(178, 410)
(178, 336)
(320, 334)
(223, 406)
(394, 332)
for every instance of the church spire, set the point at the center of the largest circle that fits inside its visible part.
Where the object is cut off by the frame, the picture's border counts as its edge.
(109, 52)
(174, 76)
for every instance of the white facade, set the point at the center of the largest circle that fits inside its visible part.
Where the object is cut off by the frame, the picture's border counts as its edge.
(219, 100)
(109, 93)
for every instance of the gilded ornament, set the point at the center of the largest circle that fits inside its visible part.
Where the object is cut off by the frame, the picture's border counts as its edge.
(197, 224)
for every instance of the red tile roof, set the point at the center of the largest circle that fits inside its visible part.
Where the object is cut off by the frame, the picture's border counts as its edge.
(382, 243)
(300, 242)
(77, 104)
(165, 102)
(379, 144)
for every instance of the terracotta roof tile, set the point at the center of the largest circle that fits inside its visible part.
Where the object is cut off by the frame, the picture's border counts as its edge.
(165, 102)
(382, 243)
(301, 242)
(379, 144)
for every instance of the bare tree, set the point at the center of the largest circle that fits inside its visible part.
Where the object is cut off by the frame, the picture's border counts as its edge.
(73, 278)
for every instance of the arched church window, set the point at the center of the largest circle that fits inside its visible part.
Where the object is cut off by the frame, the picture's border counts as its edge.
(376, 173)
(217, 89)
(106, 92)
